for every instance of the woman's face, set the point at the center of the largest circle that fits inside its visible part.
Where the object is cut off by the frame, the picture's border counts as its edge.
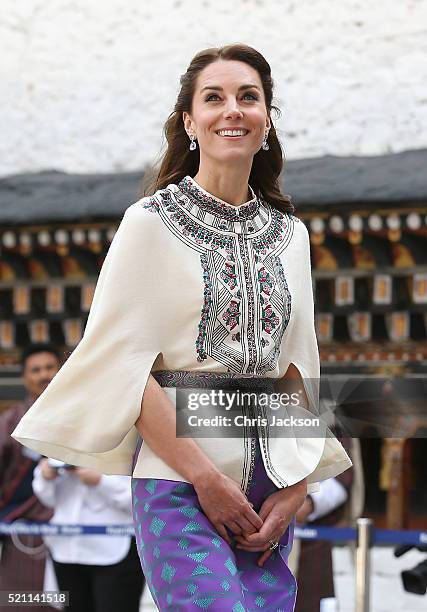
(228, 95)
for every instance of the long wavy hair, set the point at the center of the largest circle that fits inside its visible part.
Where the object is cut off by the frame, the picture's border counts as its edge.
(178, 160)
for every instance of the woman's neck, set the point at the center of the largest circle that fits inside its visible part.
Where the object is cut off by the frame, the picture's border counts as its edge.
(229, 184)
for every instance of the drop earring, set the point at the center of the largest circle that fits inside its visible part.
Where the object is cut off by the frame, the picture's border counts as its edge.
(192, 143)
(265, 145)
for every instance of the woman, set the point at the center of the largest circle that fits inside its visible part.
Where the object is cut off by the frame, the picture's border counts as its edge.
(207, 284)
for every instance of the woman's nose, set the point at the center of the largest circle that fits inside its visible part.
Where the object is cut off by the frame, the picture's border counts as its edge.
(233, 111)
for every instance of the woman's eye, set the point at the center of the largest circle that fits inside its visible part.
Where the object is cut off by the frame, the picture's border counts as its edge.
(254, 97)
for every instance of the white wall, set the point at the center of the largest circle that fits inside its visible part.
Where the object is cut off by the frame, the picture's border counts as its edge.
(87, 84)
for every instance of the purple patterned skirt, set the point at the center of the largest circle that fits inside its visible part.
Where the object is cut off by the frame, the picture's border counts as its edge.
(189, 566)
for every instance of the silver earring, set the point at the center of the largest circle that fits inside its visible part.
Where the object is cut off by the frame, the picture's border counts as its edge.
(265, 144)
(192, 143)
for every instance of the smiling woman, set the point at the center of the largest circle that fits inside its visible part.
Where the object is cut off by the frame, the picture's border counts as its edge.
(225, 89)
(230, 126)
(207, 285)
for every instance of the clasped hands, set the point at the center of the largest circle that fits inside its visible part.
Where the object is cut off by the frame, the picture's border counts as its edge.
(226, 506)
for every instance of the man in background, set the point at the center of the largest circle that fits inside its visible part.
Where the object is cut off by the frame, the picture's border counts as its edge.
(101, 574)
(22, 559)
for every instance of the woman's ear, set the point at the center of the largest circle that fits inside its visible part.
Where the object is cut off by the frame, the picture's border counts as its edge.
(187, 121)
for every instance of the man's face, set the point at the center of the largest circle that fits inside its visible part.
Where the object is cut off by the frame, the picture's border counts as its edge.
(39, 370)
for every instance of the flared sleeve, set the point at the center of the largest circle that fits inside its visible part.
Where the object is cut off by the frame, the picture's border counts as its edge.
(86, 415)
(321, 455)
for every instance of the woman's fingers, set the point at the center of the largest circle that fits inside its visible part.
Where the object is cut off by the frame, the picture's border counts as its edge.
(243, 542)
(263, 558)
(265, 510)
(253, 518)
(223, 532)
(248, 521)
(234, 527)
(246, 527)
(256, 539)
(268, 532)
(253, 548)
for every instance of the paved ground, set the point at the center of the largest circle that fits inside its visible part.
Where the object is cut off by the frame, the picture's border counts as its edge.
(387, 594)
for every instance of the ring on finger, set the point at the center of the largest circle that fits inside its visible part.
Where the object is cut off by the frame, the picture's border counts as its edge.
(273, 544)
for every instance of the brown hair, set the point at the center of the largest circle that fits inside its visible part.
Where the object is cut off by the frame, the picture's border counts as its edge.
(178, 160)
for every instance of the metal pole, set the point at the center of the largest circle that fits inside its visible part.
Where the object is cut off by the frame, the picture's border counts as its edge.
(363, 564)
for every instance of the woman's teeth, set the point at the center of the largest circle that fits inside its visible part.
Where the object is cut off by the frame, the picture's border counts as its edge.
(232, 132)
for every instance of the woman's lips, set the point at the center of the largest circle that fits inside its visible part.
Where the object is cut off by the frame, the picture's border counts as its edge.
(233, 136)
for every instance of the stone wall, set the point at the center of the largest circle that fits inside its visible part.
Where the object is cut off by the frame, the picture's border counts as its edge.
(86, 85)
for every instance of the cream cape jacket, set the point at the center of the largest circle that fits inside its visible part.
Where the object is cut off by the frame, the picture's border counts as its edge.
(190, 283)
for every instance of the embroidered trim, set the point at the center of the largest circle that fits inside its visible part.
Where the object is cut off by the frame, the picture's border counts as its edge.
(250, 435)
(284, 294)
(231, 316)
(264, 438)
(214, 206)
(250, 456)
(246, 308)
(269, 319)
(274, 234)
(228, 274)
(284, 289)
(249, 285)
(265, 281)
(207, 302)
(152, 204)
(201, 234)
(253, 457)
